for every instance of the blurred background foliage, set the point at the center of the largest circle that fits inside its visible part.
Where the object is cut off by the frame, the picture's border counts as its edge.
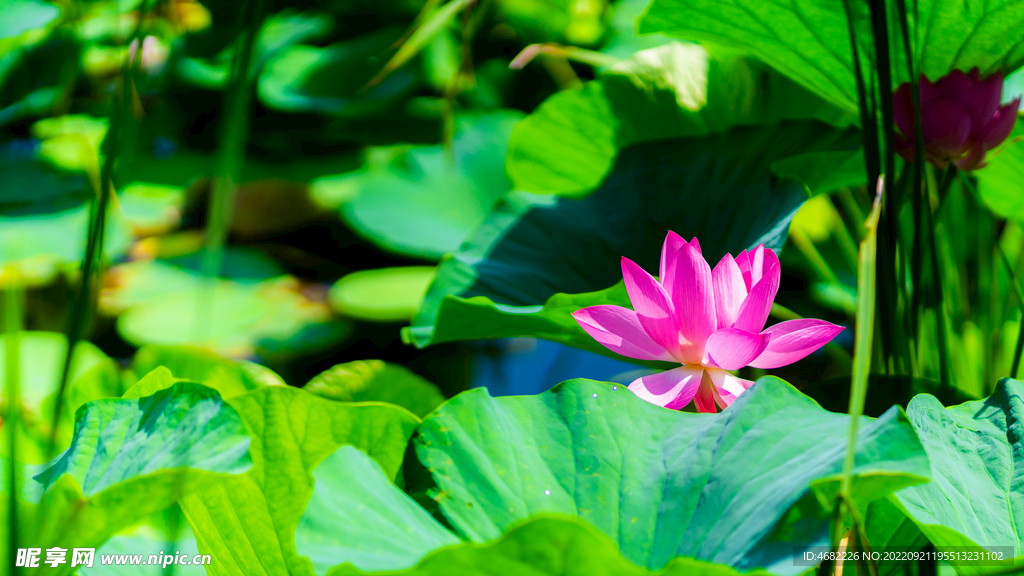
(376, 145)
(390, 148)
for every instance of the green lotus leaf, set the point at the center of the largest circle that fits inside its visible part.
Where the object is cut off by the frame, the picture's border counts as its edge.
(547, 544)
(809, 40)
(659, 483)
(382, 294)
(248, 523)
(376, 381)
(570, 143)
(131, 458)
(424, 200)
(976, 496)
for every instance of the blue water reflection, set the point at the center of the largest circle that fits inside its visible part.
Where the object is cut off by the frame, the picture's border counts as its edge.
(514, 366)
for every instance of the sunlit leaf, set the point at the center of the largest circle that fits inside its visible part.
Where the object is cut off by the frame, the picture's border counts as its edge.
(659, 483)
(248, 523)
(999, 182)
(132, 458)
(809, 41)
(376, 381)
(976, 450)
(382, 294)
(570, 143)
(41, 360)
(357, 516)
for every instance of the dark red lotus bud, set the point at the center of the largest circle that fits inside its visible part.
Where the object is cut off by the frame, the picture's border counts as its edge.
(960, 118)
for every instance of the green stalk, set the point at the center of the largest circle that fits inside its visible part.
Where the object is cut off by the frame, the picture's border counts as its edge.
(865, 330)
(864, 333)
(232, 152)
(1015, 284)
(814, 258)
(13, 309)
(846, 242)
(868, 122)
(81, 309)
(232, 158)
(855, 215)
(868, 105)
(918, 165)
(884, 71)
(938, 292)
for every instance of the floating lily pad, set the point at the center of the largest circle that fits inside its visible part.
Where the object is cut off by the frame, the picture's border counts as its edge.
(424, 200)
(228, 317)
(44, 219)
(383, 294)
(151, 208)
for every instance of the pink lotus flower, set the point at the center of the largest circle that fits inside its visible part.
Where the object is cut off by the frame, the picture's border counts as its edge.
(710, 321)
(961, 118)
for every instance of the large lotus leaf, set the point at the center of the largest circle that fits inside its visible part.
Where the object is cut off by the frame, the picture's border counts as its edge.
(40, 363)
(809, 40)
(479, 318)
(547, 545)
(141, 543)
(659, 483)
(976, 450)
(248, 523)
(333, 80)
(131, 458)
(999, 182)
(529, 251)
(424, 200)
(358, 522)
(569, 144)
(357, 516)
